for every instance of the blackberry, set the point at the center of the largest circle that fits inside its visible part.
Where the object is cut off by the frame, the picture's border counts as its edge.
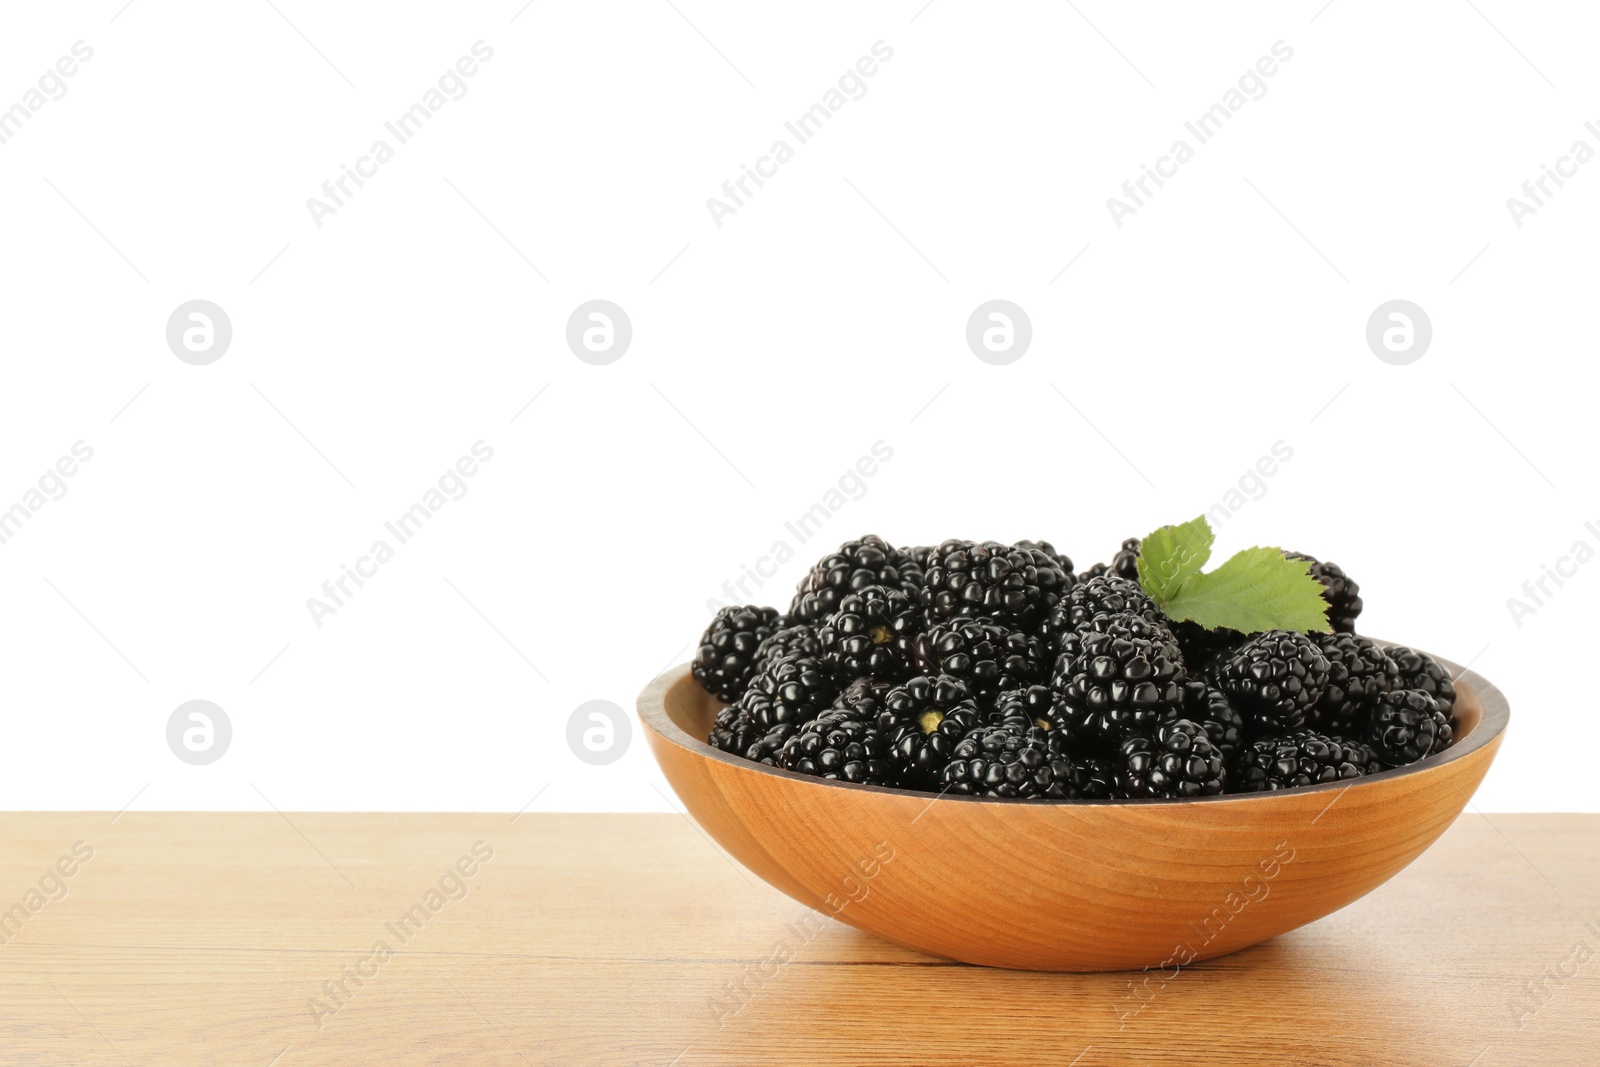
(1127, 624)
(871, 633)
(1403, 727)
(726, 658)
(793, 690)
(1122, 678)
(1008, 583)
(1302, 758)
(1023, 709)
(1362, 755)
(1273, 678)
(765, 748)
(984, 654)
(841, 746)
(1418, 670)
(857, 564)
(734, 730)
(1338, 589)
(1444, 728)
(924, 719)
(1209, 706)
(1104, 595)
(918, 555)
(1358, 672)
(1089, 778)
(1060, 559)
(795, 639)
(995, 761)
(1202, 646)
(1179, 760)
(864, 693)
(915, 697)
(1125, 563)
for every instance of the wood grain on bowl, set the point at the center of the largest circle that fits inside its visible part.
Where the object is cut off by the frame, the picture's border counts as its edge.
(1067, 885)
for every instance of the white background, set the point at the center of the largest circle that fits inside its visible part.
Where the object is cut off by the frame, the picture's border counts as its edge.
(827, 314)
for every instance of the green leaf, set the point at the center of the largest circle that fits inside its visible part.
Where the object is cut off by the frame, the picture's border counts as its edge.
(1171, 555)
(1257, 589)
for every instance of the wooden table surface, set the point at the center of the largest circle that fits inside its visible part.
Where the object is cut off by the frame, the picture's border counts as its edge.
(254, 939)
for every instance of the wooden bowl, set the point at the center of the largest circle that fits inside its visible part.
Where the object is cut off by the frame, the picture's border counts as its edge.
(1068, 885)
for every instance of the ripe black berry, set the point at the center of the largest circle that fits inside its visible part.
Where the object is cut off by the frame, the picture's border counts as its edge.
(1105, 595)
(1202, 647)
(924, 719)
(765, 748)
(1358, 673)
(1179, 760)
(1418, 670)
(1060, 559)
(871, 633)
(734, 730)
(1125, 563)
(987, 655)
(841, 746)
(1273, 679)
(1404, 726)
(865, 694)
(1302, 758)
(857, 564)
(794, 639)
(1023, 708)
(1008, 583)
(1089, 778)
(726, 657)
(1209, 706)
(1338, 589)
(996, 761)
(1444, 728)
(793, 690)
(1125, 680)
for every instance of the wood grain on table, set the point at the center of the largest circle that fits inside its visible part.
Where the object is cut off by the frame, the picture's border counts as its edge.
(257, 939)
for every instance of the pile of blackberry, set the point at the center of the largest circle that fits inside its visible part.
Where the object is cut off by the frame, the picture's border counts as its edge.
(985, 669)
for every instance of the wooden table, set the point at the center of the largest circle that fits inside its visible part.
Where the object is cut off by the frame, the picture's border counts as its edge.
(250, 939)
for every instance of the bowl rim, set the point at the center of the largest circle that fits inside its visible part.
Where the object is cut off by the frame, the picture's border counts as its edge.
(1492, 723)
